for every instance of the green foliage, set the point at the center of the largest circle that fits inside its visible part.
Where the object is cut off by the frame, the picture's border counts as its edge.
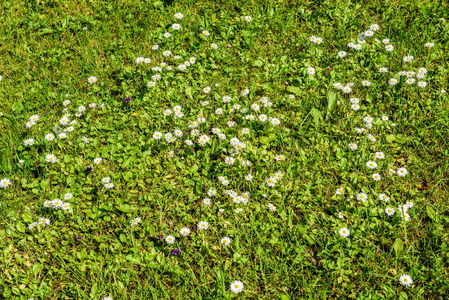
(49, 49)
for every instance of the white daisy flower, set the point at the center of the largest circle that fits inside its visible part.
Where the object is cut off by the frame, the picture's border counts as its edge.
(311, 71)
(371, 165)
(405, 280)
(344, 232)
(170, 239)
(392, 81)
(135, 221)
(184, 231)
(203, 225)
(237, 287)
(50, 158)
(4, 183)
(226, 241)
(362, 197)
(49, 137)
(384, 197)
(402, 172)
(376, 177)
(389, 211)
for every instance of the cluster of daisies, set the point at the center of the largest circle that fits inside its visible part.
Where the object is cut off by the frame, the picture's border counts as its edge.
(55, 204)
(32, 121)
(61, 133)
(58, 203)
(203, 138)
(107, 183)
(372, 164)
(42, 221)
(420, 74)
(410, 75)
(68, 126)
(257, 111)
(315, 40)
(167, 55)
(158, 69)
(236, 146)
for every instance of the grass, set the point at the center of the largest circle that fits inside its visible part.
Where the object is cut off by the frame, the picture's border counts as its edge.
(50, 48)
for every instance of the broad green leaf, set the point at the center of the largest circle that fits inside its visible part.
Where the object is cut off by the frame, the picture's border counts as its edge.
(27, 218)
(403, 296)
(189, 92)
(413, 272)
(227, 265)
(431, 213)
(127, 176)
(264, 140)
(36, 269)
(331, 103)
(122, 238)
(125, 208)
(316, 114)
(83, 254)
(294, 90)
(398, 246)
(20, 227)
(70, 181)
(94, 289)
(133, 259)
(44, 183)
(390, 138)
(17, 106)
(236, 257)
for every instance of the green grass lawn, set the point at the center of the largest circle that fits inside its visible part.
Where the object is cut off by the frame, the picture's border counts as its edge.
(244, 156)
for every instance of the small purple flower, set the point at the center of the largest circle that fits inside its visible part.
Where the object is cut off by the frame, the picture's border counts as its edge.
(127, 99)
(89, 169)
(176, 251)
(79, 237)
(160, 237)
